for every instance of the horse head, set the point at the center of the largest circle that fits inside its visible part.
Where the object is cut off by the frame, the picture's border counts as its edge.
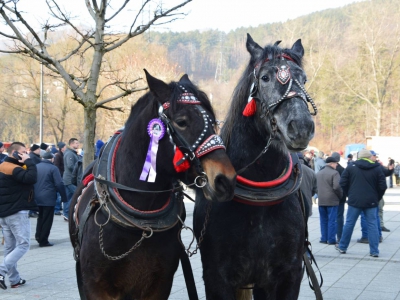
(199, 154)
(276, 93)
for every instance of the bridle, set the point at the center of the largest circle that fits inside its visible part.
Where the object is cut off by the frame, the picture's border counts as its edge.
(202, 145)
(284, 77)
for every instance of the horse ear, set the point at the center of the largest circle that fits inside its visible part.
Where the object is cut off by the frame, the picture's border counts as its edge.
(185, 79)
(277, 43)
(298, 48)
(158, 87)
(254, 49)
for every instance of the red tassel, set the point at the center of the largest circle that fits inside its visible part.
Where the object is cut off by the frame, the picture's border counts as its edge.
(250, 108)
(184, 165)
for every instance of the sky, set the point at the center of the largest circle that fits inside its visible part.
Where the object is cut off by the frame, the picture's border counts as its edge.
(224, 15)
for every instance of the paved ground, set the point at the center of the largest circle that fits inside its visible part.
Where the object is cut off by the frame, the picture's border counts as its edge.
(50, 272)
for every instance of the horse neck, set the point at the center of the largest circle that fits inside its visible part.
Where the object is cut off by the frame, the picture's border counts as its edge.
(128, 167)
(246, 143)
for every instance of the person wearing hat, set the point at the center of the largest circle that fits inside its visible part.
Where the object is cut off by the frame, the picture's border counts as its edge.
(329, 195)
(350, 159)
(342, 201)
(48, 184)
(35, 154)
(379, 213)
(36, 158)
(99, 145)
(2, 155)
(59, 163)
(364, 183)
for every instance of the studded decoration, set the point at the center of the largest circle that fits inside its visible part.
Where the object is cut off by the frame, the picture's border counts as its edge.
(214, 142)
(283, 75)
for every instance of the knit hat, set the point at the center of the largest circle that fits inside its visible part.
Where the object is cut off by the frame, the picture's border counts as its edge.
(42, 152)
(53, 149)
(1, 144)
(48, 155)
(336, 156)
(44, 146)
(364, 153)
(350, 156)
(61, 145)
(331, 159)
(99, 144)
(34, 147)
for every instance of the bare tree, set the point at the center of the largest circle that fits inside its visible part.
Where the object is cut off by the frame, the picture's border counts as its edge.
(372, 57)
(97, 41)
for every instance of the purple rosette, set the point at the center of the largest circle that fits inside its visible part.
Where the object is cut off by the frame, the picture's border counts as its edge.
(156, 130)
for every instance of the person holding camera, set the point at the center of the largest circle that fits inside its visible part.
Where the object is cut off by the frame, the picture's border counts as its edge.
(18, 174)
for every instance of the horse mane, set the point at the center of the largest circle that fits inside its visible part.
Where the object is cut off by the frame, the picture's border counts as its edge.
(242, 90)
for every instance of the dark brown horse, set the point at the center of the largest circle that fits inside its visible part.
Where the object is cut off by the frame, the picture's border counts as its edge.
(258, 239)
(124, 224)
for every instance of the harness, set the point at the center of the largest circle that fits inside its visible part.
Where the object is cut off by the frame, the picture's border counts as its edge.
(102, 184)
(276, 191)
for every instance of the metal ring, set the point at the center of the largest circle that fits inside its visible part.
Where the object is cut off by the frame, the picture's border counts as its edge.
(95, 215)
(201, 180)
(147, 236)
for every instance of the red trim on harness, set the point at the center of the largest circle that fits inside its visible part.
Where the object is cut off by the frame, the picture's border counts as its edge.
(267, 184)
(88, 179)
(120, 197)
(253, 203)
(279, 56)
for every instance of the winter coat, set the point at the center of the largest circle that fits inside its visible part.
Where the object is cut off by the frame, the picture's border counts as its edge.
(308, 184)
(329, 190)
(48, 184)
(35, 158)
(397, 170)
(77, 173)
(16, 186)
(364, 183)
(319, 164)
(59, 161)
(2, 157)
(70, 159)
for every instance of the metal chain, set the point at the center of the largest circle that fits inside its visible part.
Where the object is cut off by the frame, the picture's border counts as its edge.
(138, 243)
(202, 233)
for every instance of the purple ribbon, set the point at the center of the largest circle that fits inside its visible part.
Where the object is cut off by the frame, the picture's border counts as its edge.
(156, 131)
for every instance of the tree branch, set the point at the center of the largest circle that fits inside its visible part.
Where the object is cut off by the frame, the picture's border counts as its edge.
(125, 93)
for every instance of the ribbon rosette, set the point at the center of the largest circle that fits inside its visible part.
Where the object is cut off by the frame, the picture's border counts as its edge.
(156, 131)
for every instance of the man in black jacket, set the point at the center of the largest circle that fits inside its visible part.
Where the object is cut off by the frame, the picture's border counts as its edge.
(18, 174)
(364, 183)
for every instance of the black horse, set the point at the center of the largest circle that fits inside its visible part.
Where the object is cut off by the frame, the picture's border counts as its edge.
(257, 240)
(124, 218)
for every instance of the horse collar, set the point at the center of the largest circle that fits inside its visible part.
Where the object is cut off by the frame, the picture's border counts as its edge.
(118, 209)
(271, 192)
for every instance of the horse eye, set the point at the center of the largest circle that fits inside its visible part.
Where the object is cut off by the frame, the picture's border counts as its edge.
(305, 81)
(265, 78)
(181, 123)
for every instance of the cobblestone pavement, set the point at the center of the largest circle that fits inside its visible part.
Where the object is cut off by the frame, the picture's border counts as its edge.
(50, 271)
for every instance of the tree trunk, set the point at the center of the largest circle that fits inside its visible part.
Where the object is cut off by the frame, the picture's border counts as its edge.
(89, 134)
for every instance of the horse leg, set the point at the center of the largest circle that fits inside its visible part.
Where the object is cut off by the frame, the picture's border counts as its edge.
(218, 289)
(286, 288)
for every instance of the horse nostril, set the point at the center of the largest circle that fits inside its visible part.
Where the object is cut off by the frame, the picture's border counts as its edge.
(292, 129)
(224, 186)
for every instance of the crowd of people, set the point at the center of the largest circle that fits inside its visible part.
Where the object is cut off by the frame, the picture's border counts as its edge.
(360, 183)
(35, 182)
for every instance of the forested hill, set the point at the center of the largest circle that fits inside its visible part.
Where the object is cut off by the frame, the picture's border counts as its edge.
(351, 59)
(214, 54)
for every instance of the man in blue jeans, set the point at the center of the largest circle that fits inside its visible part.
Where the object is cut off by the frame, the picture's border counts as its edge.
(364, 183)
(18, 174)
(70, 159)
